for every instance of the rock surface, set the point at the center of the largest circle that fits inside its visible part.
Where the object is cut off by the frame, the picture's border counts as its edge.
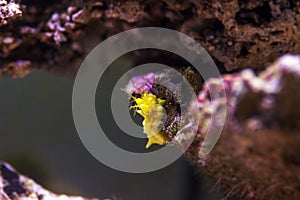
(18, 187)
(256, 156)
(55, 35)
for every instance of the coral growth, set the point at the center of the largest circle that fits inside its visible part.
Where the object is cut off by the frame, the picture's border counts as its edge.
(9, 10)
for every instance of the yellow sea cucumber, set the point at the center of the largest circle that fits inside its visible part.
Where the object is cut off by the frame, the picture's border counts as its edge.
(150, 107)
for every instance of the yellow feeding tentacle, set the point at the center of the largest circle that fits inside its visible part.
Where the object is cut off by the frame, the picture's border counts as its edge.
(150, 107)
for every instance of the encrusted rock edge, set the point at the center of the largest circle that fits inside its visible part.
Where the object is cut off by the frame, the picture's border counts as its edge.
(15, 186)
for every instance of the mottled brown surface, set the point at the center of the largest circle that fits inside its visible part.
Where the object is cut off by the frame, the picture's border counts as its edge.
(255, 165)
(55, 35)
(257, 155)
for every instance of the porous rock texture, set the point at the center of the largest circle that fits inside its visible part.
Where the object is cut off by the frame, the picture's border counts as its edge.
(55, 35)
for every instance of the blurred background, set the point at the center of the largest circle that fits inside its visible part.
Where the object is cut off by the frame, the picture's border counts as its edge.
(38, 137)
